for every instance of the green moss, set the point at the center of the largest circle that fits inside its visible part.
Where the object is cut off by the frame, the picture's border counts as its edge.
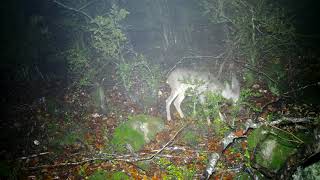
(125, 134)
(98, 175)
(272, 147)
(280, 154)
(120, 176)
(176, 172)
(137, 131)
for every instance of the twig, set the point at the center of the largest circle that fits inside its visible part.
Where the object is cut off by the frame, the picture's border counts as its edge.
(283, 96)
(167, 144)
(301, 88)
(65, 164)
(33, 156)
(256, 71)
(86, 5)
(73, 9)
(291, 134)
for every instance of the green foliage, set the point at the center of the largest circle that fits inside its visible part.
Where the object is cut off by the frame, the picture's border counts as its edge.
(191, 137)
(141, 79)
(245, 96)
(83, 169)
(260, 28)
(260, 31)
(272, 116)
(212, 105)
(176, 172)
(107, 35)
(220, 127)
(87, 61)
(79, 66)
(249, 78)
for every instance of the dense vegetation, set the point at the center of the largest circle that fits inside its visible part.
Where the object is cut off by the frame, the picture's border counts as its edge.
(85, 90)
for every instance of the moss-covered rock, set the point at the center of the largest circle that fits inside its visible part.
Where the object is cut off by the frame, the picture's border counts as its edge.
(137, 131)
(271, 147)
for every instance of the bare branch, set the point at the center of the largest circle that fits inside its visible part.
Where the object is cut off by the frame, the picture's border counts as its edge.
(73, 9)
(167, 144)
(86, 5)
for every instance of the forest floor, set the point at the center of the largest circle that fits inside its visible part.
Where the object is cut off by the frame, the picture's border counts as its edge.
(53, 132)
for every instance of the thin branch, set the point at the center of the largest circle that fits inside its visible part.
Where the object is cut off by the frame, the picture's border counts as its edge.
(86, 5)
(112, 157)
(34, 155)
(282, 96)
(167, 144)
(73, 9)
(287, 132)
(256, 71)
(301, 88)
(65, 164)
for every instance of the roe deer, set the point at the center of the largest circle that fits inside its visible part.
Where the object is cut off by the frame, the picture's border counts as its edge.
(177, 82)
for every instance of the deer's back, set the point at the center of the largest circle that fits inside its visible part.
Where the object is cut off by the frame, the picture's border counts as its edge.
(183, 77)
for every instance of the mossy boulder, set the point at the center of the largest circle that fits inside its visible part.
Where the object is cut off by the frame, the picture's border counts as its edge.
(136, 132)
(271, 147)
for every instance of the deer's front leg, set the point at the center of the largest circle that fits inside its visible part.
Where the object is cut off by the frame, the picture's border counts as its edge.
(177, 103)
(172, 96)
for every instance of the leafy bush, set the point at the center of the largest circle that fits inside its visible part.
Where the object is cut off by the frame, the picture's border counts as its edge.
(107, 35)
(78, 66)
(259, 32)
(140, 79)
(87, 61)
